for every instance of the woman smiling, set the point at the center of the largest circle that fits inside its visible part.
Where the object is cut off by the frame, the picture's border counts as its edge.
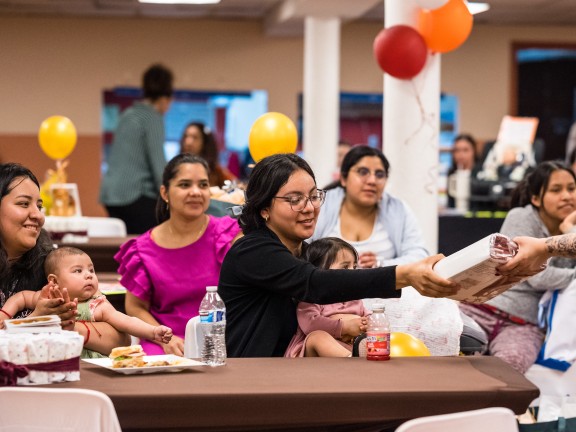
(23, 249)
(263, 276)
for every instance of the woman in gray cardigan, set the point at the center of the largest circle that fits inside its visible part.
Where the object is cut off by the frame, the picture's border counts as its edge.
(542, 203)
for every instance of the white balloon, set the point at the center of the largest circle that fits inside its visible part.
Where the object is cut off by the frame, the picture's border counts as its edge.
(431, 4)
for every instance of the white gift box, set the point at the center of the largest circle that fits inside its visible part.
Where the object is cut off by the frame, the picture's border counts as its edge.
(27, 349)
(474, 268)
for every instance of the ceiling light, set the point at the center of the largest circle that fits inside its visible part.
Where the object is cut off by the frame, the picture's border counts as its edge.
(476, 8)
(192, 2)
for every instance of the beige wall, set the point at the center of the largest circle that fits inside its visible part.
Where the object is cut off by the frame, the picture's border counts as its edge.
(60, 66)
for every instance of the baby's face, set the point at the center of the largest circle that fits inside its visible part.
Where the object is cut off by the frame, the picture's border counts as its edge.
(76, 273)
(345, 259)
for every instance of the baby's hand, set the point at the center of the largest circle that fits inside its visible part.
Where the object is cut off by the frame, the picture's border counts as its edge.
(162, 334)
(353, 327)
(69, 324)
(368, 260)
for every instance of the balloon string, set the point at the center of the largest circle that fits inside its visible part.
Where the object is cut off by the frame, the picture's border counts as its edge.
(426, 119)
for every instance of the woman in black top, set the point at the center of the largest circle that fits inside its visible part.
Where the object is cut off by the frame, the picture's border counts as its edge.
(262, 277)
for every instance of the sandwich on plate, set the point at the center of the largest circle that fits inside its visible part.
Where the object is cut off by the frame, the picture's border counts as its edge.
(128, 357)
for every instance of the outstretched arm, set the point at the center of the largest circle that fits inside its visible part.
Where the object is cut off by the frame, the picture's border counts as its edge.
(102, 337)
(424, 279)
(140, 309)
(533, 253)
(132, 325)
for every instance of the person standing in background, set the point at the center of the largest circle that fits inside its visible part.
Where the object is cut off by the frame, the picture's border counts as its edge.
(136, 161)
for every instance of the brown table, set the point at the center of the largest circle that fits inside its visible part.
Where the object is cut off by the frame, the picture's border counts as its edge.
(308, 393)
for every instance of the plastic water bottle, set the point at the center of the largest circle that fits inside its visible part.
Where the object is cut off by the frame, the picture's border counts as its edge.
(378, 335)
(213, 321)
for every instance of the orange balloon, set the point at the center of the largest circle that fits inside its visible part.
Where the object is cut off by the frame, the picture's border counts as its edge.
(446, 28)
(406, 345)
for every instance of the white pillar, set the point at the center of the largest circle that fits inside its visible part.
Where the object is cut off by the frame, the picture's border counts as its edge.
(411, 131)
(321, 95)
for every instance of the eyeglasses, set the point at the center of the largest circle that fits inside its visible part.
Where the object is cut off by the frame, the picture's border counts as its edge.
(364, 173)
(299, 202)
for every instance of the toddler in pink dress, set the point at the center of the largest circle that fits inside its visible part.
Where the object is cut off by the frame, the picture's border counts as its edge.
(328, 330)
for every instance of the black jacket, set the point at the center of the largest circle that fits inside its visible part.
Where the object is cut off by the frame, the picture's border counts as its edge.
(261, 283)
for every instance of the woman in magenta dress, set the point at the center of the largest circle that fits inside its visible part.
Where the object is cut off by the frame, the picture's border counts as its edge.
(167, 269)
(328, 330)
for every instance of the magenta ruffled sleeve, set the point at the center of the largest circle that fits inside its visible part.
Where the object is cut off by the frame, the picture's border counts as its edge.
(132, 269)
(225, 231)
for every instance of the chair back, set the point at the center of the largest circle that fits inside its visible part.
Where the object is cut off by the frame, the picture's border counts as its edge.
(193, 338)
(30, 409)
(488, 419)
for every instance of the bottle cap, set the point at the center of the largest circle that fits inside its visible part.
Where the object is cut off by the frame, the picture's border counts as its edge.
(379, 307)
(211, 288)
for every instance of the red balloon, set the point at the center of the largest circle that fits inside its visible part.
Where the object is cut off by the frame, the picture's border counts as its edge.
(400, 51)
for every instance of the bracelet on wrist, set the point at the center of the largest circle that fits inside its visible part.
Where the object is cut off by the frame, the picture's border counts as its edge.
(6, 313)
(87, 337)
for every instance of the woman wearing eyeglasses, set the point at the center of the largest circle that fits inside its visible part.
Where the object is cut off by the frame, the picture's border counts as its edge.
(381, 228)
(384, 231)
(263, 277)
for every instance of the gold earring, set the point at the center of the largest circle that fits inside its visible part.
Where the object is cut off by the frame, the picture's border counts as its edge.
(167, 205)
(266, 218)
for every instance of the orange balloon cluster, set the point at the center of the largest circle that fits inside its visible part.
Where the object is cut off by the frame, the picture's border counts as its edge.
(446, 28)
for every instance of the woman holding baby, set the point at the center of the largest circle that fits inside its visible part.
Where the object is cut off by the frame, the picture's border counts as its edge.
(23, 248)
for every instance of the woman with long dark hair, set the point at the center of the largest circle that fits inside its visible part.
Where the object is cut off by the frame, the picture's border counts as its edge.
(541, 203)
(263, 276)
(23, 249)
(380, 227)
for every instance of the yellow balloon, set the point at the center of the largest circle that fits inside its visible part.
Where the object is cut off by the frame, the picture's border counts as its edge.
(270, 134)
(57, 137)
(406, 345)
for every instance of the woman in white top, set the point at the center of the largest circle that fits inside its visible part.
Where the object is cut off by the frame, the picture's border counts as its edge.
(384, 231)
(382, 228)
